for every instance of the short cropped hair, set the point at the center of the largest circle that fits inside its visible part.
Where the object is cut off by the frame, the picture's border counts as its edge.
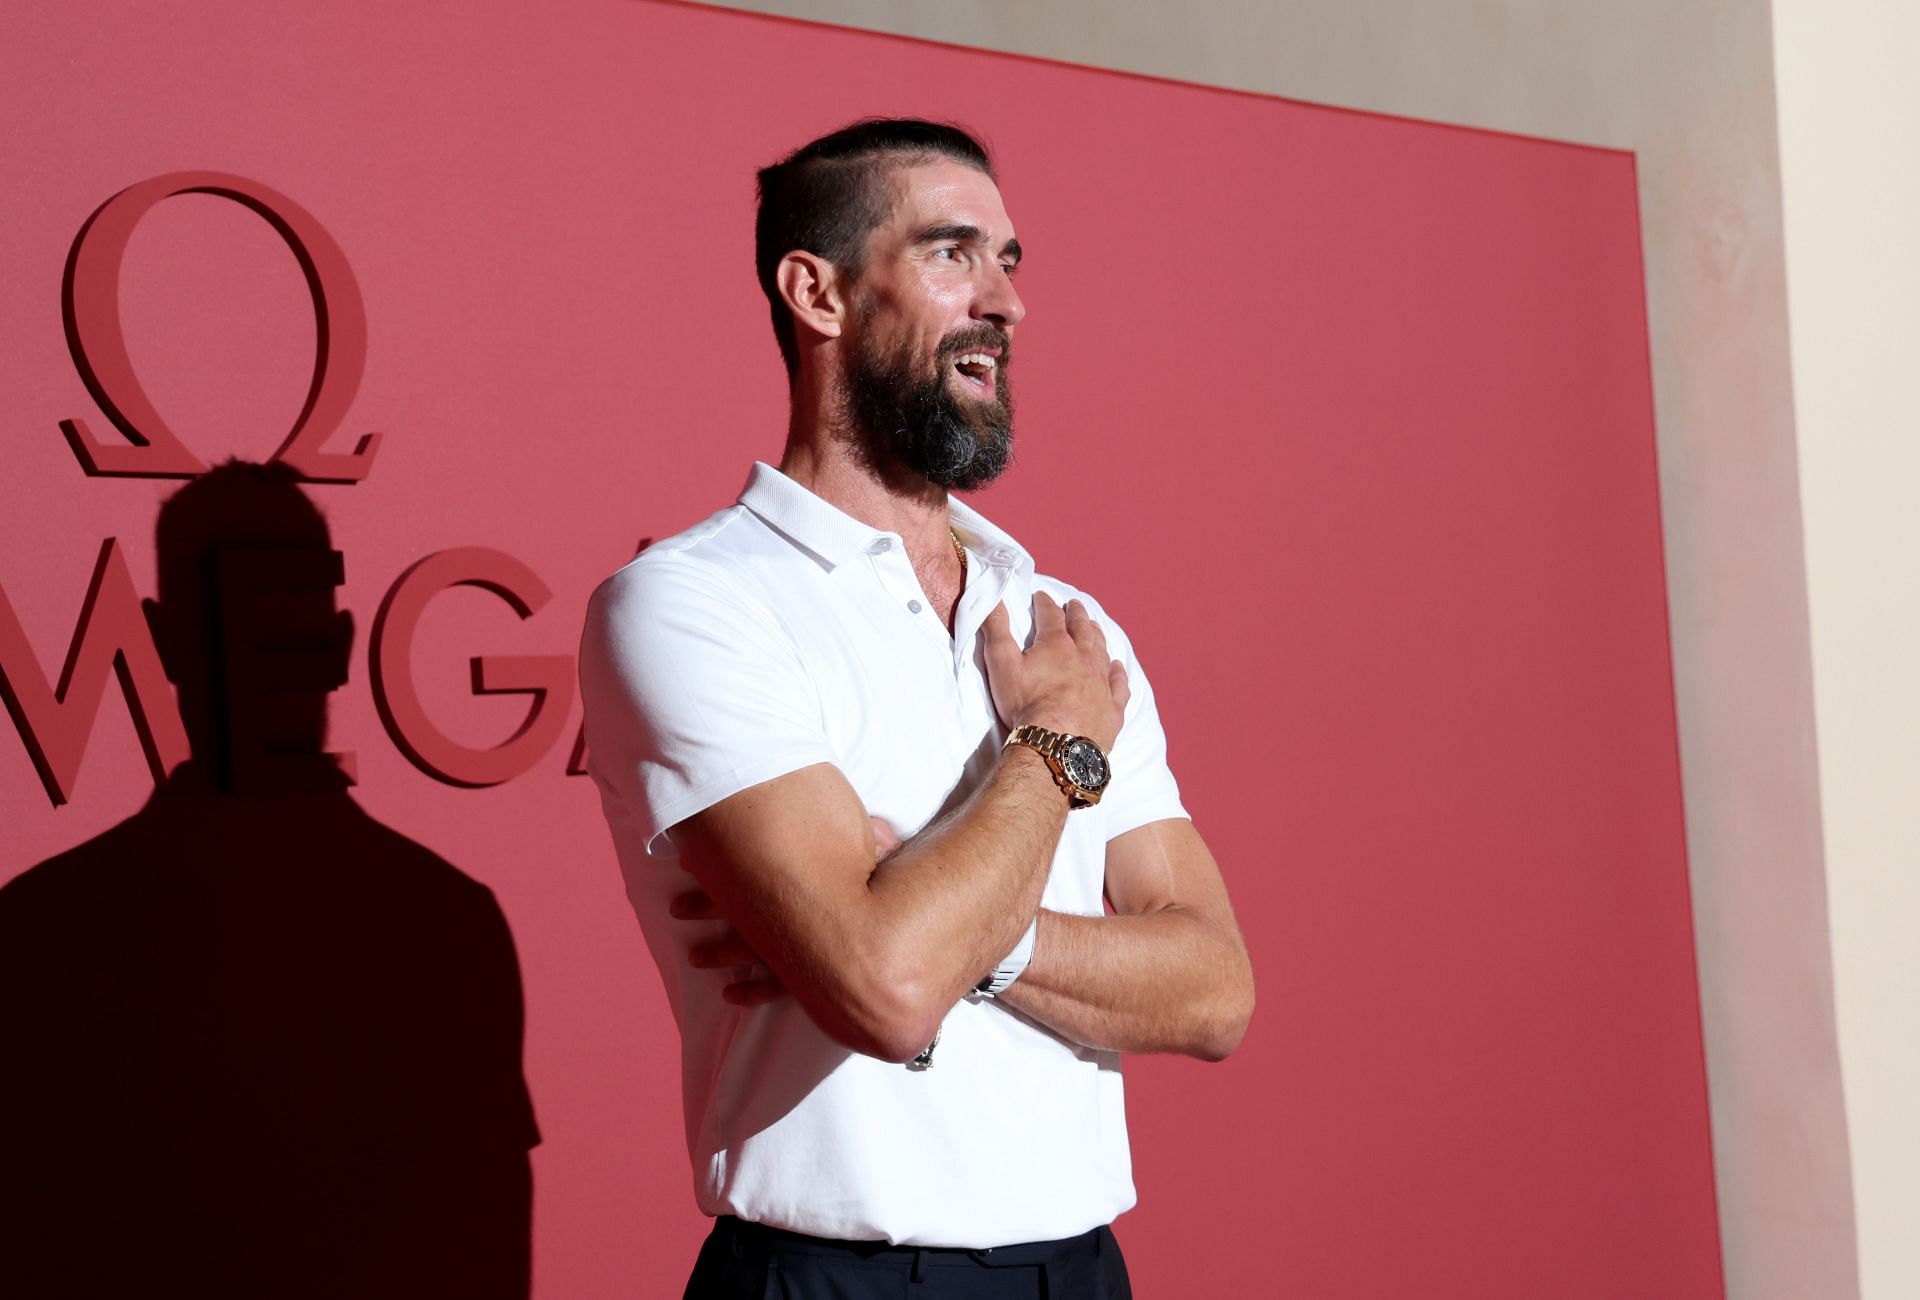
(826, 197)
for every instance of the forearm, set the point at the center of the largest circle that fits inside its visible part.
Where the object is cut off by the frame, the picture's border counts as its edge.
(952, 901)
(877, 947)
(1172, 980)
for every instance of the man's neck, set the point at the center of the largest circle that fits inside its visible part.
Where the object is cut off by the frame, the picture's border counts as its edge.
(824, 456)
(829, 461)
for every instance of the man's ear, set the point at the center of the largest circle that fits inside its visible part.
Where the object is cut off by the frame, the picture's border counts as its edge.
(815, 292)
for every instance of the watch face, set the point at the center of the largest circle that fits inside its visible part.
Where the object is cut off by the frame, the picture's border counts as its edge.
(1085, 765)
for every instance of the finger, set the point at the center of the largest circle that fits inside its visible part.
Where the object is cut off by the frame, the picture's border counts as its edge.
(694, 905)
(753, 992)
(1000, 651)
(728, 949)
(1047, 617)
(884, 840)
(1117, 685)
(1086, 633)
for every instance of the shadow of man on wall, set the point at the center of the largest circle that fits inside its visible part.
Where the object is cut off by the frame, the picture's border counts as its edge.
(253, 1042)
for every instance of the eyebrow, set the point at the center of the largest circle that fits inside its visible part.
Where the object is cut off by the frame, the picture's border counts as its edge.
(963, 234)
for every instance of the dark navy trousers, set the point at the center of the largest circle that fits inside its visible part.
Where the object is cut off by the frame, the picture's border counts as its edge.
(745, 1261)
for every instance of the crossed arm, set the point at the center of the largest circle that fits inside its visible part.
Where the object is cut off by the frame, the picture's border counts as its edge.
(876, 945)
(878, 939)
(1166, 972)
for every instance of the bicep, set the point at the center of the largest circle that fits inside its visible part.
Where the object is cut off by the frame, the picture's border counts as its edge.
(787, 861)
(1163, 866)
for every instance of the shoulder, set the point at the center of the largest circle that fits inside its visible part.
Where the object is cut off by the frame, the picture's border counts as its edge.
(704, 567)
(1003, 548)
(704, 604)
(1061, 592)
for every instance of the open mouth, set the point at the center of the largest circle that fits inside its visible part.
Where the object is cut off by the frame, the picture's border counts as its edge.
(977, 371)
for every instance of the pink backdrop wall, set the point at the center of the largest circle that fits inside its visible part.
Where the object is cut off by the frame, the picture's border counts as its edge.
(1346, 418)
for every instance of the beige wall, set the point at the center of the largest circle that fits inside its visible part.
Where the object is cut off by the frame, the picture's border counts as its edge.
(1849, 128)
(1689, 88)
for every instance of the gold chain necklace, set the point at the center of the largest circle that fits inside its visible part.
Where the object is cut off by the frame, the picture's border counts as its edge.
(959, 551)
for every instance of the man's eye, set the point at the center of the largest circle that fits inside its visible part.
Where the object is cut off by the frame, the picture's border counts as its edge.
(1009, 267)
(951, 254)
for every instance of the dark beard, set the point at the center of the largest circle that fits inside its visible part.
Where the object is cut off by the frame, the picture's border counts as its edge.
(956, 443)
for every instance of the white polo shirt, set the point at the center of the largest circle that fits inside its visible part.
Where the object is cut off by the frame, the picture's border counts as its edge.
(777, 634)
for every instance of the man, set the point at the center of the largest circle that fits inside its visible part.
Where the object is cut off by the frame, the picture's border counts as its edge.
(902, 1017)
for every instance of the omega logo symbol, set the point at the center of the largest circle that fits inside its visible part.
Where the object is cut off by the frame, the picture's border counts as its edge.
(114, 635)
(91, 307)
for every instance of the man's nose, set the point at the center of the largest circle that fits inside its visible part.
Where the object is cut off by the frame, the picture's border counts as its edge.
(997, 301)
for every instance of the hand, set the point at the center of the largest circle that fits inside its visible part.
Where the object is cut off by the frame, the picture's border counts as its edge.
(726, 950)
(729, 949)
(1065, 681)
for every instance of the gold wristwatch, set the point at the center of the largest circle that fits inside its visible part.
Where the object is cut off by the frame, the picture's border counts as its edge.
(1077, 764)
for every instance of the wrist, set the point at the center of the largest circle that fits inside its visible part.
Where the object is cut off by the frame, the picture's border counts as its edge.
(1064, 723)
(1029, 762)
(1012, 966)
(1077, 764)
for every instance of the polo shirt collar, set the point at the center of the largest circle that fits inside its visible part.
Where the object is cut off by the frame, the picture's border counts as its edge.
(830, 533)
(984, 537)
(835, 536)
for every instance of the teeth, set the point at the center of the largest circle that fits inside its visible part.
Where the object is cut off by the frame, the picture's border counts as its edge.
(976, 359)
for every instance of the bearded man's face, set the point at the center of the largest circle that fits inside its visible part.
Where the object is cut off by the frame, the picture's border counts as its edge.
(944, 414)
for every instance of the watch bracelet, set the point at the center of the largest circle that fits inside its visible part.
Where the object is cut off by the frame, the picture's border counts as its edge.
(1049, 745)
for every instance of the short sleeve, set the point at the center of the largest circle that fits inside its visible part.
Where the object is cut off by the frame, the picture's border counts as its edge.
(692, 692)
(1142, 788)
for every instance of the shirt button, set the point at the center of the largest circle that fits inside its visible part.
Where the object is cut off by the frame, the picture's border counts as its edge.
(880, 546)
(914, 605)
